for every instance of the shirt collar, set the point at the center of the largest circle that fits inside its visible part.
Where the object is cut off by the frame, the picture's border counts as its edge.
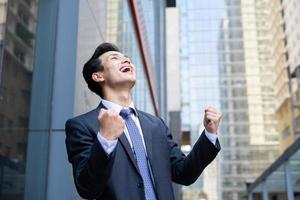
(116, 107)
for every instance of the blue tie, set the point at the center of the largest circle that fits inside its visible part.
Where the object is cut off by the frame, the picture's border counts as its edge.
(140, 153)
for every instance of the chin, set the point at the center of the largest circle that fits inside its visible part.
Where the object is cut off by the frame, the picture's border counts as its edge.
(128, 83)
(131, 79)
(133, 82)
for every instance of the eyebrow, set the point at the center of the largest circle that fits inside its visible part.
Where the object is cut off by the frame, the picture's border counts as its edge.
(118, 54)
(115, 54)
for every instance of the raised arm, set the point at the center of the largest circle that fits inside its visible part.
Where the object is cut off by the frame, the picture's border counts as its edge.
(91, 164)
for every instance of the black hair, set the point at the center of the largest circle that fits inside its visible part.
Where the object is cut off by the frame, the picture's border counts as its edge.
(94, 65)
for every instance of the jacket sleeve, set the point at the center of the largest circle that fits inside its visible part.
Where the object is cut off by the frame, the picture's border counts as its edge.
(91, 164)
(186, 169)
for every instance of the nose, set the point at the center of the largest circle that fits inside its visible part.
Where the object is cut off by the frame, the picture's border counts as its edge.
(126, 60)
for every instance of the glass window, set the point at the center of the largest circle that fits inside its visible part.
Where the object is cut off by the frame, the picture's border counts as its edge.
(16, 80)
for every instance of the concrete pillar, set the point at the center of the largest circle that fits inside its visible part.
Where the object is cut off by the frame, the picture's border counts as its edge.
(288, 181)
(265, 190)
(250, 196)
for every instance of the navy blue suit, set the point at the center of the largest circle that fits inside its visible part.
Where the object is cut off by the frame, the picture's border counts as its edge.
(98, 175)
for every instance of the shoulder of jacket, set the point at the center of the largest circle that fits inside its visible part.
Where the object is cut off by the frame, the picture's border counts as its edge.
(151, 117)
(82, 117)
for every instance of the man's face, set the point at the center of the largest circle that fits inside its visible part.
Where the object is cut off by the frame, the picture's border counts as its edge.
(118, 71)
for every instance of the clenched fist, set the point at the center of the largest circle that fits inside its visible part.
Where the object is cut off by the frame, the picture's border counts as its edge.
(111, 124)
(212, 119)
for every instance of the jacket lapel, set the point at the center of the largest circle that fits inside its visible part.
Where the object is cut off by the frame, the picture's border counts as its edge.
(123, 140)
(146, 129)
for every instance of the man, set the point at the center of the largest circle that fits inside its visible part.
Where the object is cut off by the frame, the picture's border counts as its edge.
(119, 152)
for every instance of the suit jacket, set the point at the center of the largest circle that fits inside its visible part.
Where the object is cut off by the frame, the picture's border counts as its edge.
(98, 175)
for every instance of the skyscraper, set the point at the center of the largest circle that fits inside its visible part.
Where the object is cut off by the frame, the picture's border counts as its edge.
(288, 69)
(250, 138)
(17, 42)
(199, 25)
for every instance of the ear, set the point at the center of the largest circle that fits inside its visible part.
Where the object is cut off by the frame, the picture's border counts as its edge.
(97, 77)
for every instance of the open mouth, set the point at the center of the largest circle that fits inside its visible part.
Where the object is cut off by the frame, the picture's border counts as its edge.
(125, 69)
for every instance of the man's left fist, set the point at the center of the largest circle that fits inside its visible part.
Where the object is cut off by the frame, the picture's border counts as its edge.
(212, 119)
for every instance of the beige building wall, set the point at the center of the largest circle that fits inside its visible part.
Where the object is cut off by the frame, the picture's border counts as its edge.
(291, 18)
(113, 17)
(285, 17)
(249, 96)
(252, 71)
(210, 180)
(259, 72)
(3, 5)
(291, 9)
(281, 82)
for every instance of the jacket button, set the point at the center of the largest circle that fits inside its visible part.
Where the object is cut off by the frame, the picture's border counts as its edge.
(140, 184)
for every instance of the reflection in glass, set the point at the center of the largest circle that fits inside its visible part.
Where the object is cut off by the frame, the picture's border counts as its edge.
(17, 40)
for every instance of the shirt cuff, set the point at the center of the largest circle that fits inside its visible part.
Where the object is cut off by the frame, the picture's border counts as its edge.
(212, 137)
(108, 145)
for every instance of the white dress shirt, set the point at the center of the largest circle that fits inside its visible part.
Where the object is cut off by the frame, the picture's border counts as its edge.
(109, 145)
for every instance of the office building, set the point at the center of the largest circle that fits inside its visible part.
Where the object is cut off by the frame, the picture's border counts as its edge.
(199, 24)
(280, 180)
(288, 111)
(250, 137)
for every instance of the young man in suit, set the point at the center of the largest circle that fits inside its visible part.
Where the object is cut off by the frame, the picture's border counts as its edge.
(119, 152)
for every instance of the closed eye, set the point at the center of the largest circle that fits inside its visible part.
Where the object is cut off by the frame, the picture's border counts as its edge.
(114, 58)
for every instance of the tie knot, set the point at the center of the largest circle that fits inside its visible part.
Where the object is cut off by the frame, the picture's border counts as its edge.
(125, 112)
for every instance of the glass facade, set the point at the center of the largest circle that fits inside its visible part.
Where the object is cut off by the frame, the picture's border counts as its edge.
(199, 25)
(226, 63)
(249, 135)
(35, 60)
(17, 41)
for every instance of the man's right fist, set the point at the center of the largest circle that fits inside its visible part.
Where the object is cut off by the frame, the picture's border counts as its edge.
(111, 124)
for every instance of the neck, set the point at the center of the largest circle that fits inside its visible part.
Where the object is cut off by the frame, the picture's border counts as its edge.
(122, 98)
